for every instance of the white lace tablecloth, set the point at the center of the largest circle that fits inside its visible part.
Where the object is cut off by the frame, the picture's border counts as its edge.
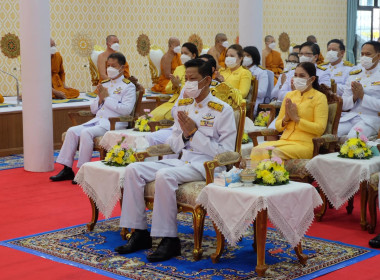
(340, 178)
(102, 183)
(134, 139)
(290, 208)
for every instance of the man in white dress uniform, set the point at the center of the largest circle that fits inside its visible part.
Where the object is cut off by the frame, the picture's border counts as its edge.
(116, 97)
(204, 127)
(362, 95)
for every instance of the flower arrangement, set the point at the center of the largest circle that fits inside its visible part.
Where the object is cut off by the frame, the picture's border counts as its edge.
(356, 148)
(141, 123)
(245, 138)
(271, 171)
(262, 118)
(120, 154)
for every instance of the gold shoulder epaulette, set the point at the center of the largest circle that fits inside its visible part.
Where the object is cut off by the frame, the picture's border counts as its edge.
(215, 106)
(322, 68)
(185, 101)
(355, 72)
(126, 81)
(262, 67)
(284, 72)
(347, 63)
(105, 81)
(323, 63)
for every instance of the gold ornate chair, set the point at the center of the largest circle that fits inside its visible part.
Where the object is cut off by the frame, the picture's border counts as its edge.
(251, 97)
(187, 193)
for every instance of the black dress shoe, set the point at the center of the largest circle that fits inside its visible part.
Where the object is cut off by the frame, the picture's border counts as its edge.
(140, 239)
(168, 248)
(66, 174)
(375, 242)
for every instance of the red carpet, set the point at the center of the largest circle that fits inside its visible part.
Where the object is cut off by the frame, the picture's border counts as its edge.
(30, 204)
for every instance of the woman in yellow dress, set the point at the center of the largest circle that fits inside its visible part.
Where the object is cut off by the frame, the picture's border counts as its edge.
(303, 116)
(234, 74)
(177, 81)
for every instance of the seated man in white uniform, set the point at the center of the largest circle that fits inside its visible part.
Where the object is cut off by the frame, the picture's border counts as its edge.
(362, 95)
(204, 127)
(339, 69)
(116, 97)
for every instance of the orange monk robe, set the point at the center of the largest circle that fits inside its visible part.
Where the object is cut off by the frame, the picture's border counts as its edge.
(321, 59)
(58, 77)
(1, 99)
(162, 80)
(274, 63)
(222, 59)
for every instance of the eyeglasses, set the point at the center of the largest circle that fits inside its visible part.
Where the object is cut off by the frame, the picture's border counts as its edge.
(291, 61)
(305, 54)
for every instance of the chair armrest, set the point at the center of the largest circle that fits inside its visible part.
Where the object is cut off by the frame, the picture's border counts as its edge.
(223, 159)
(324, 139)
(74, 116)
(154, 151)
(114, 120)
(161, 124)
(265, 132)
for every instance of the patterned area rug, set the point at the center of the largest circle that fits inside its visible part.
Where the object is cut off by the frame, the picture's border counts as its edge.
(17, 161)
(93, 251)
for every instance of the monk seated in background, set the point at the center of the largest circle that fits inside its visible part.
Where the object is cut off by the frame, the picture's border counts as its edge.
(219, 50)
(272, 59)
(1, 99)
(59, 88)
(113, 46)
(169, 62)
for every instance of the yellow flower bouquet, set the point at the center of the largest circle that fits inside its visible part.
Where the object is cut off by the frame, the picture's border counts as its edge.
(141, 124)
(262, 118)
(271, 171)
(245, 138)
(120, 154)
(356, 148)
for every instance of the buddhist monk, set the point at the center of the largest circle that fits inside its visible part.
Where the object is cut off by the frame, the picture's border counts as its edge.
(219, 50)
(59, 88)
(169, 62)
(313, 39)
(113, 46)
(1, 99)
(272, 59)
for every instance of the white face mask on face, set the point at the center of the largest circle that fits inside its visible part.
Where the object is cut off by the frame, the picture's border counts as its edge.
(177, 49)
(185, 58)
(112, 72)
(115, 47)
(300, 83)
(230, 61)
(366, 62)
(272, 45)
(53, 50)
(191, 88)
(247, 61)
(305, 58)
(225, 44)
(332, 56)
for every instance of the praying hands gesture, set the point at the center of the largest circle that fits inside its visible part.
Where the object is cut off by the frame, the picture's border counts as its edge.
(219, 77)
(187, 125)
(357, 90)
(291, 112)
(102, 93)
(176, 81)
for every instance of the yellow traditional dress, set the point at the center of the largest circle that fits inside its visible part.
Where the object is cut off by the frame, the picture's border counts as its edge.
(164, 110)
(239, 79)
(162, 80)
(296, 139)
(58, 77)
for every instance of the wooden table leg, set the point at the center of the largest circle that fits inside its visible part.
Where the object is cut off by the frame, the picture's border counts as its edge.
(219, 245)
(323, 209)
(301, 256)
(261, 232)
(363, 204)
(95, 215)
(372, 198)
(350, 205)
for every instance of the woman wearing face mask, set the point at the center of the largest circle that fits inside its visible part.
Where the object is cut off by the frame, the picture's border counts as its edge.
(251, 60)
(234, 74)
(303, 116)
(177, 81)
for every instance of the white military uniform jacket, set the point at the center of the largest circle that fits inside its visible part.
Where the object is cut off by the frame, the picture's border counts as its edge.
(368, 107)
(120, 102)
(216, 131)
(339, 73)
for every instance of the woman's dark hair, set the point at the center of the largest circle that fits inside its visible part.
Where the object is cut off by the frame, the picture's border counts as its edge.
(192, 48)
(309, 67)
(238, 49)
(254, 52)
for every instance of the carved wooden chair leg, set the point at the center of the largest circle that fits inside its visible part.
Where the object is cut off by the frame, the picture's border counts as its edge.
(363, 204)
(198, 224)
(301, 256)
(102, 154)
(323, 209)
(95, 215)
(372, 199)
(219, 245)
(350, 205)
(261, 230)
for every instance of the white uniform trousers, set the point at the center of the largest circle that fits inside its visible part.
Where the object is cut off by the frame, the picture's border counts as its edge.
(347, 128)
(167, 178)
(159, 136)
(84, 134)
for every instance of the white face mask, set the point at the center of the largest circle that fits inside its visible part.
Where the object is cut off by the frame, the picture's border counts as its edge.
(230, 61)
(247, 61)
(185, 58)
(290, 66)
(191, 88)
(115, 47)
(177, 49)
(112, 72)
(305, 58)
(332, 56)
(300, 83)
(272, 45)
(225, 44)
(366, 62)
(53, 50)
